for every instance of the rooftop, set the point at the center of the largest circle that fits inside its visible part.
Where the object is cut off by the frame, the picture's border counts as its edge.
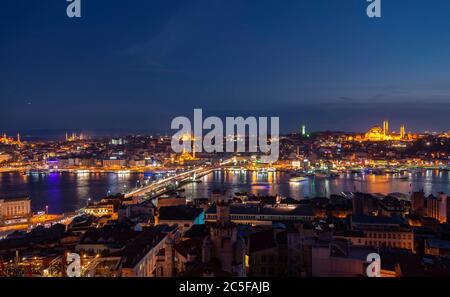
(179, 212)
(247, 209)
(144, 242)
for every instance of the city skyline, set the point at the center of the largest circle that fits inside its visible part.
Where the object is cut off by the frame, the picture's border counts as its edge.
(137, 67)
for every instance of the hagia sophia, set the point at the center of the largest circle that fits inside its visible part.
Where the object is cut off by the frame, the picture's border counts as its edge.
(378, 133)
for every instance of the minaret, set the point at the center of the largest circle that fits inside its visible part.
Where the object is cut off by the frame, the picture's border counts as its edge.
(67, 136)
(18, 137)
(193, 147)
(385, 128)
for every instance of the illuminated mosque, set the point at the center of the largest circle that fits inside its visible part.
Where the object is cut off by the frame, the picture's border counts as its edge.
(378, 133)
(9, 140)
(186, 156)
(74, 137)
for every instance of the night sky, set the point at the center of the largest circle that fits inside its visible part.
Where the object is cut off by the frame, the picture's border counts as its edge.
(134, 65)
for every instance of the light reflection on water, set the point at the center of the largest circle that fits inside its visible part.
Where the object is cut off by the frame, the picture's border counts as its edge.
(272, 183)
(66, 192)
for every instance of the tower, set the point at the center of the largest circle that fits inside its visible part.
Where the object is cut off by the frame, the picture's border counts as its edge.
(418, 202)
(402, 132)
(385, 127)
(223, 211)
(193, 147)
(18, 137)
(303, 130)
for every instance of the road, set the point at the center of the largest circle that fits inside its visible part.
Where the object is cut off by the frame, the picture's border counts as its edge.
(160, 186)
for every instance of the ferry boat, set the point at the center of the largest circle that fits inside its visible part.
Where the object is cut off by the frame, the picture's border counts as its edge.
(297, 179)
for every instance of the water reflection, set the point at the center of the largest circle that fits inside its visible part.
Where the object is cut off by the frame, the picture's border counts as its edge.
(271, 183)
(64, 192)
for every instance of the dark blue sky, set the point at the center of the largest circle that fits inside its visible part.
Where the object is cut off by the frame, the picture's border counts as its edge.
(134, 65)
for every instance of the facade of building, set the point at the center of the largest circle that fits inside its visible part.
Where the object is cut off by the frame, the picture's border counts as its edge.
(114, 163)
(438, 207)
(101, 210)
(15, 211)
(381, 232)
(263, 214)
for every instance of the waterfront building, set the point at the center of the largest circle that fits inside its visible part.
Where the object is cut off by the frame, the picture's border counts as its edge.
(14, 211)
(5, 157)
(114, 162)
(102, 210)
